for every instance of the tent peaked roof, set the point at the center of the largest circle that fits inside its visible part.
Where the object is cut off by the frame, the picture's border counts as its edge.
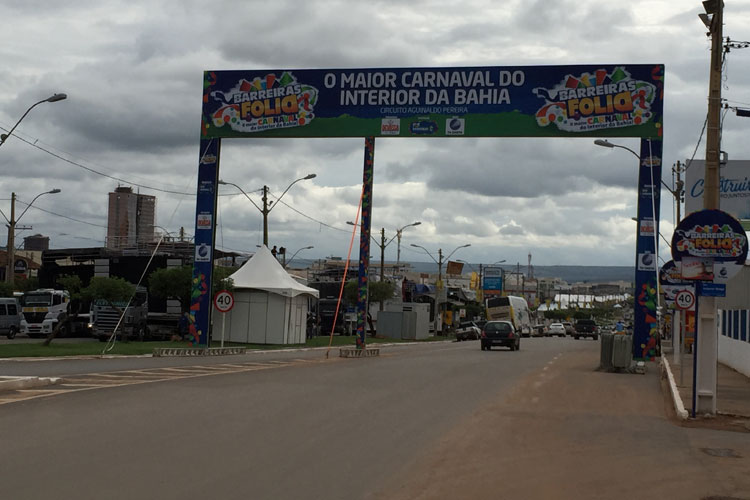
(263, 272)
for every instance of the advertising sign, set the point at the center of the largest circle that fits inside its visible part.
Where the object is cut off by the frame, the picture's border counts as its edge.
(454, 268)
(492, 101)
(493, 278)
(734, 187)
(712, 289)
(709, 236)
(645, 316)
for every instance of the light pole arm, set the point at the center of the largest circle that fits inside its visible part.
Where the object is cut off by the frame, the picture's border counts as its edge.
(427, 252)
(311, 176)
(243, 192)
(454, 251)
(6, 136)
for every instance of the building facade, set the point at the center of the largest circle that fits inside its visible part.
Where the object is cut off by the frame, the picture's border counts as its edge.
(130, 218)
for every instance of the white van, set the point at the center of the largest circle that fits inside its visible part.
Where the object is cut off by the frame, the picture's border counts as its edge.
(10, 317)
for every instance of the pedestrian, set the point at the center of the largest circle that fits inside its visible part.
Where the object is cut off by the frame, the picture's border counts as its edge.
(274, 251)
(619, 327)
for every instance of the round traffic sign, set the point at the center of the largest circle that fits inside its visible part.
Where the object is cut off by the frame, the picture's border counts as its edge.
(684, 299)
(224, 301)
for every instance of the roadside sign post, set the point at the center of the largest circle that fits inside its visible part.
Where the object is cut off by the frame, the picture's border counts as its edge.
(223, 302)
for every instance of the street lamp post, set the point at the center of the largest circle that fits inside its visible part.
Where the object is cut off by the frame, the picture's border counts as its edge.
(398, 244)
(52, 98)
(439, 262)
(10, 269)
(266, 208)
(295, 254)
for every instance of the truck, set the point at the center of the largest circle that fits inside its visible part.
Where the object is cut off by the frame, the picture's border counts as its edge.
(586, 328)
(131, 319)
(42, 309)
(513, 309)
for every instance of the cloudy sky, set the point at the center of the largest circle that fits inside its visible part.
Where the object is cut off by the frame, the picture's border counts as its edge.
(133, 74)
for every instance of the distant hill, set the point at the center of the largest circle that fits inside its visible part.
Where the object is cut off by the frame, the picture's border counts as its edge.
(571, 274)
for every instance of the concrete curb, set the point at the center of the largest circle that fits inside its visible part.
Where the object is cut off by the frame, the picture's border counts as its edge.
(197, 351)
(679, 407)
(18, 383)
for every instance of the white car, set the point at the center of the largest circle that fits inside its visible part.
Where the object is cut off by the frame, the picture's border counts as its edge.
(556, 329)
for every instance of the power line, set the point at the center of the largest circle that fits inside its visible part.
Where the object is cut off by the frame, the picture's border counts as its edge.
(63, 216)
(307, 216)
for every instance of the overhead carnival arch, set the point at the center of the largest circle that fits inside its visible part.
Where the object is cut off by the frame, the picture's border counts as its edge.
(619, 100)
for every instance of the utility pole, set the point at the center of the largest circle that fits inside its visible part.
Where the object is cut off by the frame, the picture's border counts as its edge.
(10, 271)
(706, 329)
(265, 215)
(382, 259)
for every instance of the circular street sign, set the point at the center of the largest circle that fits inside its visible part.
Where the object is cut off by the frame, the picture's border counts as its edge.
(224, 301)
(684, 299)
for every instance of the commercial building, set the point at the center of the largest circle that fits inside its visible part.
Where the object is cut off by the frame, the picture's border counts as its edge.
(130, 218)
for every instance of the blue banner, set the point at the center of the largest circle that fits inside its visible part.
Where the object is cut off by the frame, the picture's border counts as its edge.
(645, 321)
(600, 100)
(205, 221)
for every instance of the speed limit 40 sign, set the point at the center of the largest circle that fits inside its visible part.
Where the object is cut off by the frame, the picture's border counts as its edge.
(685, 299)
(224, 301)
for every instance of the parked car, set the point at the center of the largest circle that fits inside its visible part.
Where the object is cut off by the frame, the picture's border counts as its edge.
(500, 333)
(468, 330)
(10, 317)
(586, 328)
(569, 328)
(556, 329)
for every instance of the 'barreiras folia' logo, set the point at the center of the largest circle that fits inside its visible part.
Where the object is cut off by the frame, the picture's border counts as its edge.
(591, 102)
(266, 103)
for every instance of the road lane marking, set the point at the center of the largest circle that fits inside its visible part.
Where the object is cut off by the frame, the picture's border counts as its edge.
(98, 380)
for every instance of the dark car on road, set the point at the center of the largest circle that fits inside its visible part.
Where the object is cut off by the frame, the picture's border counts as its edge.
(586, 328)
(500, 333)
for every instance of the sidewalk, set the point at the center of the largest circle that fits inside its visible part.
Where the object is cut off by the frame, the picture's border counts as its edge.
(733, 388)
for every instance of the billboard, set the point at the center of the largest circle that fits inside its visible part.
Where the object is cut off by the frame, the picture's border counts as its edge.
(495, 101)
(734, 187)
(493, 278)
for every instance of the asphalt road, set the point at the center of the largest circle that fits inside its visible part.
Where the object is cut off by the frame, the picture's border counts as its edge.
(442, 420)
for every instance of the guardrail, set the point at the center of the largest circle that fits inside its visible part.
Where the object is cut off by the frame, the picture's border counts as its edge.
(197, 351)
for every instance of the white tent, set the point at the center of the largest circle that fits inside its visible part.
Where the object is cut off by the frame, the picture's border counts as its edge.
(270, 307)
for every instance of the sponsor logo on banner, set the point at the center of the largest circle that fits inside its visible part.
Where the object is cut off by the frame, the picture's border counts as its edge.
(696, 268)
(711, 241)
(647, 227)
(734, 187)
(390, 126)
(646, 261)
(206, 186)
(266, 103)
(202, 253)
(208, 159)
(423, 127)
(454, 126)
(594, 101)
(204, 221)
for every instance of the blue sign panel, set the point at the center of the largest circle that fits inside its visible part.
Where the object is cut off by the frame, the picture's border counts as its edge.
(491, 101)
(712, 289)
(492, 279)
(646, 323)
(205, 210)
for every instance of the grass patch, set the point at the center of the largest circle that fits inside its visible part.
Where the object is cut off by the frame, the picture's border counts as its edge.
(37, 350)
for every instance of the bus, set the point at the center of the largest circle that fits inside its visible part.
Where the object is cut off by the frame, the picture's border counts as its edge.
(513, 309)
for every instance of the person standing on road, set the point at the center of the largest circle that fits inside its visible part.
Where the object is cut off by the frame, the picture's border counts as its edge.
(183, 326)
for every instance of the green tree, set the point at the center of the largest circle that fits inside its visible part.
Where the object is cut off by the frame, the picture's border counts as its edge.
(172, 282)
(377, 291)
(178, 281)
(6, 289)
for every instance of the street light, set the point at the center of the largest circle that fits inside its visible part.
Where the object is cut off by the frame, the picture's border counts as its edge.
(382, 244)
(398, 235)
(295, 254)
(266, 208)
(439, 262)
(10, 269)
(52, 98)
(606, 144)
